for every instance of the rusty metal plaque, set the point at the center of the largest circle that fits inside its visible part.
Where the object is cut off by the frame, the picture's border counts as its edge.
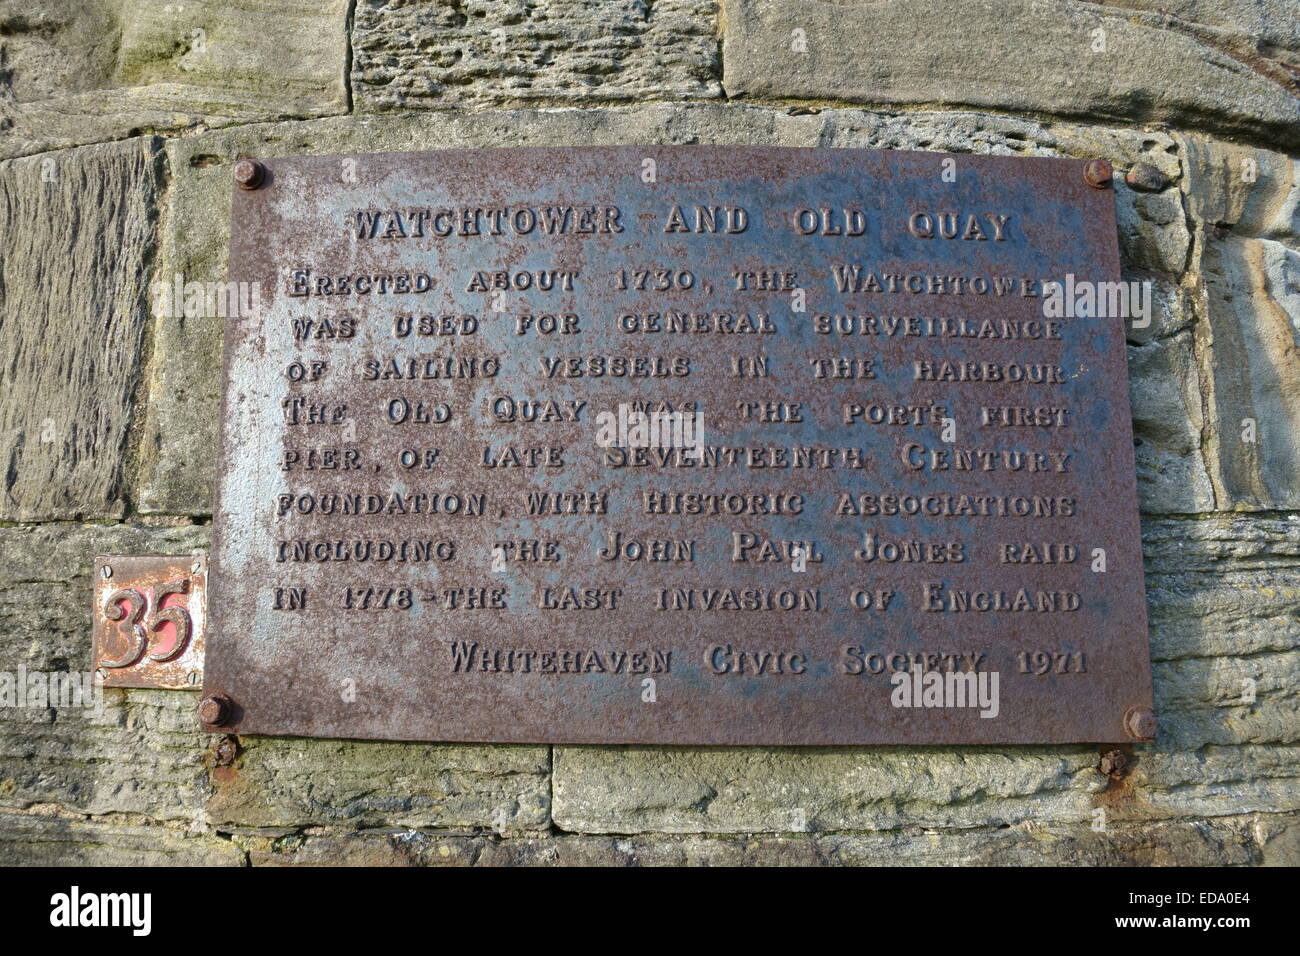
(149, 620)
(677, 445)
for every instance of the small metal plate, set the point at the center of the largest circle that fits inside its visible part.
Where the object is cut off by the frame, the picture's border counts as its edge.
(150, 618)
(420, 535)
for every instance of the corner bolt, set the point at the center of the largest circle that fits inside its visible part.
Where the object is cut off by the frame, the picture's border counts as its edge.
(215, 710)
(1098, 173)
(249, 174)
(1140, 724)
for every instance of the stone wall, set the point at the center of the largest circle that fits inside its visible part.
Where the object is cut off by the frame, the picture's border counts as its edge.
(119, 123)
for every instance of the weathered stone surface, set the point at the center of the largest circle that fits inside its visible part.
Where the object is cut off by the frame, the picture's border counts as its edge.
(1221, 544)
(295, 782)
(1208, 701)
(36, 840)
(1222, 587)
(1152, 229)
(1223, 595)
(1167, 423)
(1146, 178)
(1269, 25)
(177, 464)
(734, 790)
(1227, 841)
(76, 246)
(79, 72)
(688, 790)
(1245, 208)
(1251, 346)
(1037, 57)
(1213, 781)
(1279, 838)
(54, 48)
(442, 53)
(1253, 192)
(1172, 311)
(178, 470)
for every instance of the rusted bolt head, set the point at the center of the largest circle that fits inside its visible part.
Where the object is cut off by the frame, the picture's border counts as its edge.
(225, 752)
(215, 710)
(249, 173)
(1146, 178)
(1113, 763)
(1140, 724)
(1098, 173)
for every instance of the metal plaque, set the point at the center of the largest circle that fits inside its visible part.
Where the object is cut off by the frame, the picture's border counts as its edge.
(677, 445)
(149, 620)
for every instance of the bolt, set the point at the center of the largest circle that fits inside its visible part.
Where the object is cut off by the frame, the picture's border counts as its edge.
(1098, 173)
(215, 710)
(1146, 178)
(225, 752)
(106, 571)
(249, 173)
(192, 678)
(1113, 763)
(1140, 723)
